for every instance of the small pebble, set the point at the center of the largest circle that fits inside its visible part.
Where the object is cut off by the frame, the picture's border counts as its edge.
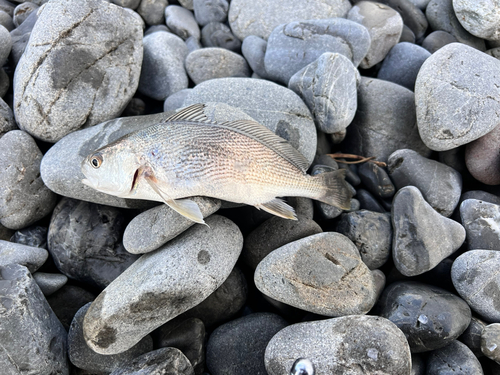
(216, 34)
(193, 44)
(481, 221)
(472, 336)
(35, 236)
(6, 21)
(436, 40)
(490, 341)
(407, 35)
(20, 37)
(482, 157)
(176, 100)
(210, 11)
(412, 16)
(67, 301)
(253, 49)
(181, 21)
(31, 257)
(376, 180)
(22, 12)
(478, 18)
(152, 11)
(49, 283)
(368, 202)
(456, 358)
(5, 45)
(131, 4)
(7, 122)
(4, 88)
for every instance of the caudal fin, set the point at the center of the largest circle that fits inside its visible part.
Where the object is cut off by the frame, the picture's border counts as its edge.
(334, 189)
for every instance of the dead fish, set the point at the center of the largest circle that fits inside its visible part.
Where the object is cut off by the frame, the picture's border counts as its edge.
(189, 155)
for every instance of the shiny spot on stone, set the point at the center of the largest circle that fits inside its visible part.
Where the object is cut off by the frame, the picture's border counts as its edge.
(492, 347)
(302, 366)
(423, 319)
(203, 257)
(372, 353)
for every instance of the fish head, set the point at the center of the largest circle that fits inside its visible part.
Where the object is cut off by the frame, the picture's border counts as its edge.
(112, 170)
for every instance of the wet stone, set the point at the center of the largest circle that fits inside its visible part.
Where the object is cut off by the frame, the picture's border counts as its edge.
(430, 317)
(31, 257)
(152, 11)
(67, 301)
(210, 11)
(482, 157)
(35, 236)
(436, 40)
(472, 336)
(481, 221)
(376, 180)
(217, 34)
(456, 358)
(181, 21)
(49, 283)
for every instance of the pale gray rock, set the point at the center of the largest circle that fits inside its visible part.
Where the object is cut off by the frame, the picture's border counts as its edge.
(407, 35)
(158, 225)
(33, 338)
(155, 288)
(481, 19)
(481, 220)
(7, 7)
(24, 199)
(188, 4)
(163, 72)
(490, 341)
(345, 345)
(210, 11)
(7, 122)
(276, 107)
(182, 22)
(74, 75)
(456, 358)
(176, 100)
(436, 40)
(5, 44)
(384, 25)
(329, 88)
(253, 49)
(293, 46)
(49, 283)
(152, 11)
(412, 16)
(6, 21)
(322, 273)
(217, 34)
(445, 80)
(193, 44)
(22, 11)
(209, 63)
(420, 4)
(31, 257)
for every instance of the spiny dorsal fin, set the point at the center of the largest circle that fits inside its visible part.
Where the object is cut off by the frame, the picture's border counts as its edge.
(192, 113)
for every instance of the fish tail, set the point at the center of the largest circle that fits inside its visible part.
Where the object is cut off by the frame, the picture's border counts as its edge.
(334, 190)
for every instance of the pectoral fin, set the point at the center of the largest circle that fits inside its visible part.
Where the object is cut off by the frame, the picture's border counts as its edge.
(279, 208)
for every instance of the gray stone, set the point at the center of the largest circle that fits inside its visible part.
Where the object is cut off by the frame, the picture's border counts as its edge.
(176, 100)
(22, 12)
(74, 75)
(156, 287)
(293, 46)
(7, 122)
(84, 240)
(31, 257)
(135, 107)
(472, 336)
(4, 86)
(156, 28)
(380, 281)
(210, 11)
(371, 232)
(260, 17)
(35, 236)
(49, 283)
(193, 44)
(482, 224)
(415, 246)
(85, 358)
(20, 37)
(276, 107)
(345, 345)
(482, 157)
(6, 20)
(490, 341)
(402, 64)
(420, 4)
(33, 339)
(158, 225)
(5, 233)
(475, 277)
(322, 273)
(407, 35)
(384, 25)
(494, 52)
(253, 49)
(456, 358)
(481, 19)
(444, 80)
(181, 21)
(163, 72)
(217, 34)
(441, 16)
(385, 121)
(132, 4)
(188, 4)
(436, 40)
(24, 199)
(440, 185)
(209, 63)
(329, 88)
(5, 44)
(152, 11)
(376, 180)
(7, 7)
(67, 301)
(61, 165)
(238, 347)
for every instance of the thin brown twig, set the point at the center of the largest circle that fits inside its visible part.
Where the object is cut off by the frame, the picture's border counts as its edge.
(359, 159)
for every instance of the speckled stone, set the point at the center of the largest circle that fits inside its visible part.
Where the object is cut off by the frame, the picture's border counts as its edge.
(490, 341)
(481, 220)
(31, 257)
(412, 16)
(217, 34)
(481, 19)
(456, 358)
(152, 11)
(210, 11)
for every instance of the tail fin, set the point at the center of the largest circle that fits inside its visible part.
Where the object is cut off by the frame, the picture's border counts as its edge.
(334, 189)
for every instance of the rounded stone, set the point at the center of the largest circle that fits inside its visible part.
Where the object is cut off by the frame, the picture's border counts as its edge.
(253, 49)
(490, 341)
(481, 220)
(6, 21)
(22, 11)
(472, 336)
(4, 88)
(210, 11)
(437, 39)
(481, 19)
(217, 34)
(7, 122)
(482, 158)
(376, 180)
(131, 4)
(49, 283)
(182, 22)
(31, 257)
(176, 100)
(412, 16)
(35, 236)
(456, 358)
(152, 11)
(20, 37)
(5, 44)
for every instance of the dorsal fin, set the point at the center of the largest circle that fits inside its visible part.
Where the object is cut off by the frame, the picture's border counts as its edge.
(192, 113)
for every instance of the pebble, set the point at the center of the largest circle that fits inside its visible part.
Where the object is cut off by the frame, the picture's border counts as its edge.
(384, 25)
(22, 11)
(188, 4)
(475, 277)
(163, 72)
(385, 121)
(277, 108)
(368, 202)
(412, 16)
(5, 233)
(67, 301)
(49, 283)
(416, 248)
(98, 62)
(376, 180)
(24, 199)
(347, 345)
(436, 40)
(482, 157)
(152, 11)
(456, 358)
(35, 236)
(481, 221)
(217, 34)
(131, 4)
(407, 35)
(322, 273)
(5, 45)
(328, 86)
(193, 44)
(31, 257)
(176, 100)
(7, 122)
(402, 64)
(85, 358)
(420, 4)
(430, 317)
(6, 20)
(439, 184)
(253, 49)
(84, 240)
(20, 37)
(490, 341)
(4, 88)
(160, 361)
(293, 46)
(472, 336)
(155, 288)
(209, 63)
(371, 232)
(182, 22)
(34, 340)
(210, 11)
(260, 17)
(479, 19)
(238, 347)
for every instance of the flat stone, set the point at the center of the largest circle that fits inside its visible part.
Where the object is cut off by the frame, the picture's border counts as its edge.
(182, 22)
(475, 277)
(293, 46)
(479, 19)
(437, 39)
(376, 180)
(67, 301)
(253, 49)
(481, 157)
(152, 11)
(49, 283)
(384, 25)
(24, 199)
(481, 221)
(415, 247)
(79, 75)
(322, 273)
(31, 257)
(158, 225)
(490, 341)
(260, 17)
(452, 359)
(439, 184)
(217, 34)
(349, 344)
(156, 287)
(329, 88)
(34, 340)
(210, 11)
(430, 317)
(472, 336)
(276, 107)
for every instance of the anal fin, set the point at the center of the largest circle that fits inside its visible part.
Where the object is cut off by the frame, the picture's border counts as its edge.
(279, 208)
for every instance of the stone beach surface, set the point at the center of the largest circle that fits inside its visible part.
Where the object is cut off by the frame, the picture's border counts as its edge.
(405, 282)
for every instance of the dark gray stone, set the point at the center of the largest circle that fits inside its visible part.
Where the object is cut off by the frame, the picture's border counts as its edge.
(456, 358)
(480, 195)
(368, 202)
(22, 12)
(216, 34)
(7, 122)
(5, 44)
(35, 236)
(407, 35)
(412, 16)
(152, 11)
(490, 341)
(31, 257)
(5, 233)
(74, 75)
(420, 4)
(482, 223)
(4, 88)
(437, 39)
(135, 107)
(181, 21)
(472, 336)
(479, 19)
(210, 11)
(176, 100)
(253, 49)
(482, 157)
(430, 317)
(6, 21)
(67, 301)
(376, 180)
(417, 364)
(20, 36)
(34, 341)
(49, 283)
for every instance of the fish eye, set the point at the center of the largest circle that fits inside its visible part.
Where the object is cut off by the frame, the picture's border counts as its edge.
(96, 160)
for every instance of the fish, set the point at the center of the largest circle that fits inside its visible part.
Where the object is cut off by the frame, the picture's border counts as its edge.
(189, 155)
